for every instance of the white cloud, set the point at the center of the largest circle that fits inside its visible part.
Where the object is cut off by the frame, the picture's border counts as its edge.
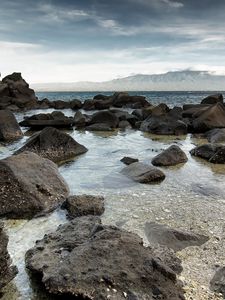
(173, 4)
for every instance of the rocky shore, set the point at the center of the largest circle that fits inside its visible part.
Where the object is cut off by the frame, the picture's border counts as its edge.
(86, 258)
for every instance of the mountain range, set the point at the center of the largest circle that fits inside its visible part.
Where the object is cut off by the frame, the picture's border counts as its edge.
(171, 81)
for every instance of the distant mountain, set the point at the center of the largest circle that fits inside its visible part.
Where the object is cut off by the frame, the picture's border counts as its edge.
(171, 81)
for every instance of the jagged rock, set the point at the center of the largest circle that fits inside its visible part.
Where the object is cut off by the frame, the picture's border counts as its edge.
(143, 173)
(212, 99)
(83, 205)
(170, 157)
(93, 261)
(172, 238)
(53, 144)
(105, 117)
(7, 272)
(30, 186)
(9, 127)
(128, 160)
(216, 135)
(214, 153)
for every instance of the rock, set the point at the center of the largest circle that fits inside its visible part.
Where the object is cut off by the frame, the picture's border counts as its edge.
(164, 125)
(128, 160)
(55, 119)
(98, 127)
(75, 104)
(89, 104)
(170, 157)
(159, 110)
(84, 205)
(30, 186)
(7, 272)
(105, 117)
(124, 125)
(217, 284)
(60, 104)
(190, 110)
(9, 128)
(214, 153)
(216, 135)
(53, 144)
(101, 97)
(172, 238)
(93, 261)
(213, 117)
(143, 173)
(79, 119)
(125, 100)
(213, 99)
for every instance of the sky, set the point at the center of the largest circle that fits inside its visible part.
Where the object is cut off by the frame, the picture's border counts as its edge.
(99, 40)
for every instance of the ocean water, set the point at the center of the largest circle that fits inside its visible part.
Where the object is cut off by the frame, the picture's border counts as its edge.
(189, 189)
(170, 98)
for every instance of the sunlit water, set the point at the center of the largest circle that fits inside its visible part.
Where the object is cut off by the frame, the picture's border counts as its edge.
(128, 204)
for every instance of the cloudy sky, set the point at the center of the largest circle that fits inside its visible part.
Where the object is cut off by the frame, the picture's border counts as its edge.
(97, 40)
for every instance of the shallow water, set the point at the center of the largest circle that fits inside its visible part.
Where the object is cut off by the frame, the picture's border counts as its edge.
(128, 204)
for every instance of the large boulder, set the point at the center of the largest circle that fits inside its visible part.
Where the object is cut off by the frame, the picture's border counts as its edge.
(53, 144)
(88, 260)
(30, 186)
(213, 117)
(83, 205)
(19, 91)
(143, 173)
(105, 117)
(123, 99)
(7, 272)
(216, 135)
(212, 99)
(170, 157)
(214, 153)
(9, 127)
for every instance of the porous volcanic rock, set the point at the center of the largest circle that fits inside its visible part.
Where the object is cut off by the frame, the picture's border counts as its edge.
(93, 261)
(170, 157)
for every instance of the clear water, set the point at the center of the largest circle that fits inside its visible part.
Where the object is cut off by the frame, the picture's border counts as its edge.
(128, 204)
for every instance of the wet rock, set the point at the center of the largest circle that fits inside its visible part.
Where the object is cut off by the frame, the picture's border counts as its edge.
(213, 99)
(123, 99)
(214, 153)
(9, 128)
(216, 135)
(75, 104)
(217, 284)
(79, 119)
(30, 186)
(207, 190)
(53, 144)
(124, 124)
(191, 110)
(83, 205)
(213, 117)
(101, 97)
(170, 157)
(159, 110)
(7, 271)
(87, 259)
(172, 238)
(105, 117)
(98, 127)
(128, 160)
(143, 173)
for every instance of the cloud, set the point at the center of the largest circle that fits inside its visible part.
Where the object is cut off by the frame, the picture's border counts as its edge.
(173, 4)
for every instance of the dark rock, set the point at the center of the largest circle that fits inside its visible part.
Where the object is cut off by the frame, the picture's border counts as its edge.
(125, 100)
(105, 117)
(93, 261)
(30, 186)
(213, 99)
(79, 119)
(124, 124)
(217, 284)
(60, 104)
(100, 97)
(214, 153)
(190, 110)
(143, 173)
(75, 104)
(89, 104)
(213, 117)
(128, 160)
(98, 127)
(170, 157)
(172, 238)
(53, 144)
(9, 128)
(84, 205)
(216, 135)
(7, 272)
(159, 110)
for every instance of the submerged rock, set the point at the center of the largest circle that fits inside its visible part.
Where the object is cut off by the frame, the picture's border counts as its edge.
(9, 127)
(143, 173)
(128, 160)
(92, 261)
(83, 205)
(170, 157)
(7, 272)
(214, 153)
(53, 144)
(172, 238)
(30, 186)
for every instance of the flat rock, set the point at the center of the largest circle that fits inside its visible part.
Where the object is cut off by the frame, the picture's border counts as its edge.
(7, 271)
(9, 127)
(83, 205)
(30, 186)
(170, 157)
(53, 144)
(93, 261)
(128, 160)
(143, 173)
(172, 238)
